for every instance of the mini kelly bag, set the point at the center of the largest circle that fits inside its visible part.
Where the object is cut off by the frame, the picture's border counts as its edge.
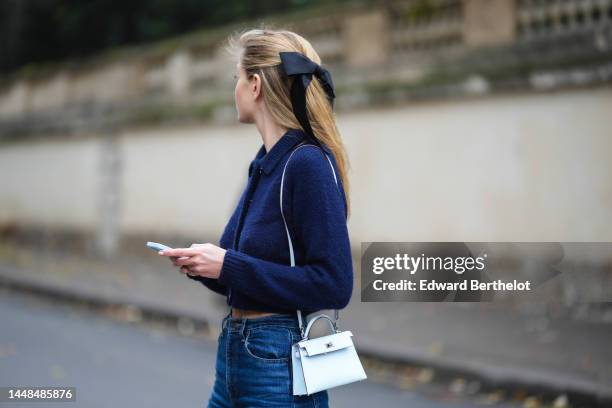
(327, 361)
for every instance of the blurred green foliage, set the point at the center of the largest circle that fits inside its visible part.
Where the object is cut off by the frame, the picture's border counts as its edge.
(420, 10)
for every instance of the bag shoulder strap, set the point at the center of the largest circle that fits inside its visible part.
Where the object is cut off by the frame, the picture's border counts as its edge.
(291, 254)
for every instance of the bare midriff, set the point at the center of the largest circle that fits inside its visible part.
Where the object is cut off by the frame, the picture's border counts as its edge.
(249, 313)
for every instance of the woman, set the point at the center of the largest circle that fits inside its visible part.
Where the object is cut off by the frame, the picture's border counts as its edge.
(279, 79)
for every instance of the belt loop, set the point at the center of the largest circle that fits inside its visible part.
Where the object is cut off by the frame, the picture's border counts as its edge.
(243, 327)
(225, 320)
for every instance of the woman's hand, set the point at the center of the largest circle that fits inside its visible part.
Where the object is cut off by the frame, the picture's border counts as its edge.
(198, 260)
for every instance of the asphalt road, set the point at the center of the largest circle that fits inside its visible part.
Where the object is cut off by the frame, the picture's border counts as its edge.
(116, 364)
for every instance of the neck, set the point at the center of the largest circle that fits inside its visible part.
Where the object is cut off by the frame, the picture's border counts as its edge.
(270, 132)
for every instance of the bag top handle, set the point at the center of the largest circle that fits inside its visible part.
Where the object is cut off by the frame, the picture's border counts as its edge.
(331, 322)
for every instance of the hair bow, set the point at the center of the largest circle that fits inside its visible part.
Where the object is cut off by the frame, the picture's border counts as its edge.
(302, 68)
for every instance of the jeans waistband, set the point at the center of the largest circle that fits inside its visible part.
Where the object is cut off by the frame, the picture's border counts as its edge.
(239, 323)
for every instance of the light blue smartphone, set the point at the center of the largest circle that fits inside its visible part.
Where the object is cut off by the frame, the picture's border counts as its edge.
(156, 246)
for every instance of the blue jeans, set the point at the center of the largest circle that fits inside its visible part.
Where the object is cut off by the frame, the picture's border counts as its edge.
(253, 367)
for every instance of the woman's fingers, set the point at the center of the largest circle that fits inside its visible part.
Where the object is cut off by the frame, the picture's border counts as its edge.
(186, 270)
(184, 257)
(175, 259)
(186, 261)
(179, 252)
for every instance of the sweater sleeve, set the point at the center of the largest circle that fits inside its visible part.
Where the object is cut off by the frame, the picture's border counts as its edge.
(315, 213)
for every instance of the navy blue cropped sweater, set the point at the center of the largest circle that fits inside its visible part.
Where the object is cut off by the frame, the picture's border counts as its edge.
(256, 273)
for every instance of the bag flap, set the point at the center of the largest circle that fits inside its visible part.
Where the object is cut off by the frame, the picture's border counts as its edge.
(325, 344)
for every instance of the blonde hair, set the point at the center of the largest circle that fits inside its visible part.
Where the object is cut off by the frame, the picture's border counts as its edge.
(257, 51)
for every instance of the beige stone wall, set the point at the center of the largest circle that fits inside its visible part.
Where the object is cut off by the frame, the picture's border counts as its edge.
(366, 38)
(489, 22)
(529, 167)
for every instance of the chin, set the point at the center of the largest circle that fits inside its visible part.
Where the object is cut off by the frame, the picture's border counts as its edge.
(244, 120)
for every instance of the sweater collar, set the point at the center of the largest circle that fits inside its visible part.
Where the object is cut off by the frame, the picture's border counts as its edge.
(270, 159)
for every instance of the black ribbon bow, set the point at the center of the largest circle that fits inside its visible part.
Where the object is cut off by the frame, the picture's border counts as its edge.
(302, 68)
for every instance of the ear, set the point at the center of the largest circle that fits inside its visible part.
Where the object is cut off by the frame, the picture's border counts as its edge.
(255, 86)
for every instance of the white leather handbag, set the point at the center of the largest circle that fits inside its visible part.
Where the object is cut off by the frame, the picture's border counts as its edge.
(327, 361)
